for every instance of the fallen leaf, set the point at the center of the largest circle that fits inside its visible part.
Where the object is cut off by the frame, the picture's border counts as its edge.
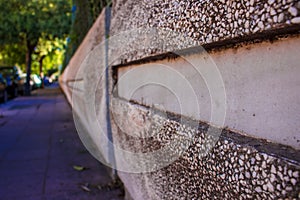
(85, 188)
(79, 168)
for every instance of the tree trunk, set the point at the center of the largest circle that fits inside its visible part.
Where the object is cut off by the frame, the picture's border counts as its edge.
(41, 70)
(30, 49)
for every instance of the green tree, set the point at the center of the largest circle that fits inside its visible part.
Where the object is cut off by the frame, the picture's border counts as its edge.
(84, 14)
(48, 55)
(13, 54)
(27, 21)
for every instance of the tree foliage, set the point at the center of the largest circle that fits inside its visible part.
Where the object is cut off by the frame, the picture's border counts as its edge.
(31, 19)
(27, 22)
(48, 55)
(84, 14)
(97, 6)
(13, 54)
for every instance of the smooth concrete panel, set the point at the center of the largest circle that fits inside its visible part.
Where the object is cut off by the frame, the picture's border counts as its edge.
(261, 82)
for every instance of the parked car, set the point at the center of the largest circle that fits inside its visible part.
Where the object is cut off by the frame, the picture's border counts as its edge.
(36, 80)
(47, 81)
(14, 83)
(3, 91)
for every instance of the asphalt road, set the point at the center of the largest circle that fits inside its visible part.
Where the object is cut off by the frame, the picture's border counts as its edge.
(41, 156)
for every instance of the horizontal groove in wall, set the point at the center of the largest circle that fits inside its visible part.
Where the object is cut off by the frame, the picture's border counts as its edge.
(280, 151)
(271, 35)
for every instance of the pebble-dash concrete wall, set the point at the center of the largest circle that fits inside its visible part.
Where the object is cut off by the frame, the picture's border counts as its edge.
(77, 81)
(237, 167)
(207, 21)
(233, 169)
(248, 160)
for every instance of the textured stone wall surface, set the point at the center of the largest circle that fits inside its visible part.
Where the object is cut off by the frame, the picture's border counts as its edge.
(204, 22)
(236, 167)
(83, 77)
